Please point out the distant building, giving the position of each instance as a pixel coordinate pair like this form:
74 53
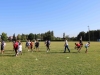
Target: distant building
10 38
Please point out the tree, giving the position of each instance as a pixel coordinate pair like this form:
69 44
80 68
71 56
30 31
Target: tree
81 34
4 36
14 37
23 37
31 36
18 37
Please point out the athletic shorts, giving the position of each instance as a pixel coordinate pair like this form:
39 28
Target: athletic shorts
2 48
47 45
86 46
31 47
78 46
36 46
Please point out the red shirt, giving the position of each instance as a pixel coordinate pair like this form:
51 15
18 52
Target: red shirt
78 45
16 45
31 44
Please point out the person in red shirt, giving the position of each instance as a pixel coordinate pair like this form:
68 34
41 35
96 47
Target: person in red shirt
16 47
78 46
31 46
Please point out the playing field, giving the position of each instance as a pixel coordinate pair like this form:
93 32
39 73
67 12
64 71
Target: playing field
54 62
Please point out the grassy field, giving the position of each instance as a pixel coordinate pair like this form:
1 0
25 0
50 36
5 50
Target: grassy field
54 62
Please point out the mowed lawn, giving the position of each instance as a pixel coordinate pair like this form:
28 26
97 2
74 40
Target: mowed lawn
54 62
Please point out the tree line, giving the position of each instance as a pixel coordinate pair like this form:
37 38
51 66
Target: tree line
92 35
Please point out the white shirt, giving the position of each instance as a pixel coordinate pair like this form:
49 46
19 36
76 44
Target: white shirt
66 42
29 43
87 44
20 47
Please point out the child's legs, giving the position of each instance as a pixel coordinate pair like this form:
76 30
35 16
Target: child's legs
15 51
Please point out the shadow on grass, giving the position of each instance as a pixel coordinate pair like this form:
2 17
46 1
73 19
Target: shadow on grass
74 52
6 55
56 52
64 52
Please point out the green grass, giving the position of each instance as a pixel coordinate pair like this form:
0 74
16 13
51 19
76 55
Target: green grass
54 62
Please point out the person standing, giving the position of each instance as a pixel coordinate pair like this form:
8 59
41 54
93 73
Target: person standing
31 46
86 46
37 45
20 48
66 46
2 47
34 44
16 44
48 45
26 45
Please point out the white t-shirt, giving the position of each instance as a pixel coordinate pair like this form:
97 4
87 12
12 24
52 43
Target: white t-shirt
4 44
29 43
87 45
20 47
66 42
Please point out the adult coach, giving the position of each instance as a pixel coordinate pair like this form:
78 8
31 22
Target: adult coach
66 46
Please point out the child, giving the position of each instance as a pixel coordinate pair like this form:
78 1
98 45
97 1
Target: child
26 45
16 47
86 46
2 47
78 46
48 45
20 48
31 46
37 45
34 44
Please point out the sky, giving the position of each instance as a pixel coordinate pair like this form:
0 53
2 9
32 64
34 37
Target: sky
39 16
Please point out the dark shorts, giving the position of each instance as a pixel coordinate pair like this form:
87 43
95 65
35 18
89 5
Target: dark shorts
36 46
31 47
47 45
79 47
2 48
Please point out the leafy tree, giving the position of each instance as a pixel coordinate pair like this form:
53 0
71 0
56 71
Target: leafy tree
14 37
18 37
31 36
4 36
23 37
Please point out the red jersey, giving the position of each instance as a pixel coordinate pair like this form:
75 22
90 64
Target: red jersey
78 45
31 44
16 45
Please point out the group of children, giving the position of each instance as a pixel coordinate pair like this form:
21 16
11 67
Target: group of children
35 45
30 45
78 46
17 46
